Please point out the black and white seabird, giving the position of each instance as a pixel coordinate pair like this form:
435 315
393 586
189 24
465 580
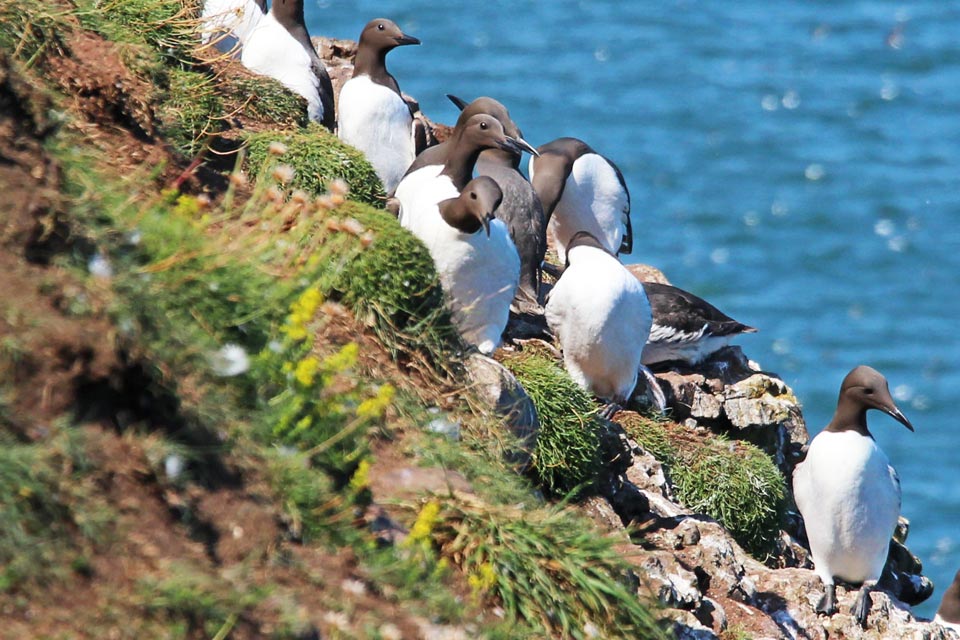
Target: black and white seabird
520 210
228 23
478 272
948 615
600 313
374 117
686 328
582 191
279 47
848 494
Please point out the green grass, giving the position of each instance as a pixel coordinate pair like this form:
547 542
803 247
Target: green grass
318 158
50 516
546 567
201 601
734 482
567 454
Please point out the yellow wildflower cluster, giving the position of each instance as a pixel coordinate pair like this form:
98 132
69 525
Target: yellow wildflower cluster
376 406
427 519
301 313
187 206
306 371
344 359
360 479
484 578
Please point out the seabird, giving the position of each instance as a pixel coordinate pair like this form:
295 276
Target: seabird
848 494
948 615
600 313
520 210
228 23
478 272
279 46
686 328
582 191
374 117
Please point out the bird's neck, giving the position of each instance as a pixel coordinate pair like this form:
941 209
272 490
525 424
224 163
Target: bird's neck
460 163
500 158
849 416
373 62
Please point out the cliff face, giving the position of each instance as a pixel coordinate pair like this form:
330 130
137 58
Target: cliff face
231 403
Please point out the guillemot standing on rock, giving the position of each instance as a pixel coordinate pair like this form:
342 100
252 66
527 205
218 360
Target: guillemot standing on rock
374 117
279 46
478 272
601 316
228 23
582 191
948 615
686 328
848 494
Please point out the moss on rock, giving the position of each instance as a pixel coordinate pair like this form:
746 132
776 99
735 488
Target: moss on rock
264 100
190 110
318 158
732 481
567 455
393 283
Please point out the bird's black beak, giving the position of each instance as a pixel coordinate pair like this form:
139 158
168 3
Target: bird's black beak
518 145
895 413
486 223
459 102
405 39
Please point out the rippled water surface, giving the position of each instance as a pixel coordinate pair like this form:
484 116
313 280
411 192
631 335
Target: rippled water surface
798 166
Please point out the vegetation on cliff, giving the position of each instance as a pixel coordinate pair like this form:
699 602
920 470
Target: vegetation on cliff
267 341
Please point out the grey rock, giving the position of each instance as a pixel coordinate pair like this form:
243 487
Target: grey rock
499 389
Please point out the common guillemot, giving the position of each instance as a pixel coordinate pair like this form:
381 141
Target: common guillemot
948 614
582 191
279 47
520 210
686 328
848 494
478 272
374 117
600 313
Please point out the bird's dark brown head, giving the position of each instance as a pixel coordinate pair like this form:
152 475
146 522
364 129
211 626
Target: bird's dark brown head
382 34
475 206
864 388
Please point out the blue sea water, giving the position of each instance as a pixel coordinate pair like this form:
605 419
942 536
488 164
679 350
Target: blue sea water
797 164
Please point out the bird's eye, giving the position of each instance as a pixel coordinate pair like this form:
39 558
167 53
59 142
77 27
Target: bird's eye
473 196
483 125
868 391
380 26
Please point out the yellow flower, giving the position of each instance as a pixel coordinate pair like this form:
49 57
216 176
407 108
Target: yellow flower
484 579
306 371
187 206
301 312
376 406
343 359
426 521
361 477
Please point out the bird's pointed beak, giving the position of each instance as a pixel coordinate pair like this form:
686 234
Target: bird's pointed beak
486 223
518 145
460 103
895 413
405 39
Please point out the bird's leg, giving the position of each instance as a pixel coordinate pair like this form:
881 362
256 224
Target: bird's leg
828 603
609 410
861 608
